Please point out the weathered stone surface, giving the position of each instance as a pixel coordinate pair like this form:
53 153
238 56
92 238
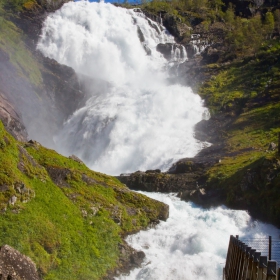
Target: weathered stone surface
75 158
11 120
129 259
158 182
175 26
4 188
59 176
26 159
164 213
272 146
15 266
168 50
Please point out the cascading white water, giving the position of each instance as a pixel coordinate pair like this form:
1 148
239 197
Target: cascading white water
141 121
192 243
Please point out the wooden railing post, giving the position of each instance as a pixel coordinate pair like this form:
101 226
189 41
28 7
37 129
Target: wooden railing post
262 268
271 270
233 258
239 259
242 260
229 257
244 266
255 264
246 263
269 247
250 258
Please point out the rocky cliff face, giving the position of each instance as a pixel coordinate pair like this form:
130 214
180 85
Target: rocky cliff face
40 92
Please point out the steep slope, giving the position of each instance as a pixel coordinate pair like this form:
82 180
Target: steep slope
67 218
41 92
238 77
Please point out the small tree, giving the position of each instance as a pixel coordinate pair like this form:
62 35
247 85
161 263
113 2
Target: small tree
229 17
269 24
276 15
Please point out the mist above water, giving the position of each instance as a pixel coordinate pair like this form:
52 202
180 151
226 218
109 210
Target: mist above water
141 121
193 242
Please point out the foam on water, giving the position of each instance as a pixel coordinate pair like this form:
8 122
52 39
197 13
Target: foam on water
141 121
193 242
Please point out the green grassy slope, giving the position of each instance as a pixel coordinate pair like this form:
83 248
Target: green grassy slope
249 90
70 229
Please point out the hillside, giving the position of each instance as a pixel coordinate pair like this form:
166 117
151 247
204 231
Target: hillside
70 220
237 74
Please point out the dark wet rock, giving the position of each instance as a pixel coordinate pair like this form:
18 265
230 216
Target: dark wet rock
147 49
14 265
137 258
59 176
164 212
154 182
154 26
175 26
153 171
129 259
203 197
140 34
211 54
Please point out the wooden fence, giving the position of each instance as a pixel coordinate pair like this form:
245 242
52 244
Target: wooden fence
245 263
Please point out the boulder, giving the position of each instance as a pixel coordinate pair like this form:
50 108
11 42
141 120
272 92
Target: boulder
14 265
272 146
75 158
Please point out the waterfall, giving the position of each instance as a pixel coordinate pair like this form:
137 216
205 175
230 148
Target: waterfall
135 118
141 121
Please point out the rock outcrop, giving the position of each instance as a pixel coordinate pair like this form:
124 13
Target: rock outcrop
15 266
11 120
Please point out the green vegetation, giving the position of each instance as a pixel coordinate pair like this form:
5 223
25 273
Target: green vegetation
67 218
248 90
241 36
247 81
243 84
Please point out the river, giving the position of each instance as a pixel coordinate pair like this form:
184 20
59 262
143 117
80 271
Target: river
192 243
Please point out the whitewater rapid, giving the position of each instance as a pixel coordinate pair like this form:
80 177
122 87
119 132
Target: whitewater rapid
192 243
139 120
